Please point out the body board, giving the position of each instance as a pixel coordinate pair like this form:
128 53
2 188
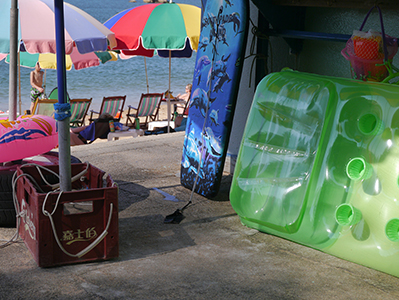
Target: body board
214 93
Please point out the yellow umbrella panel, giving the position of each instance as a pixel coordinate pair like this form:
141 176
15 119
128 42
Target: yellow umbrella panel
75 59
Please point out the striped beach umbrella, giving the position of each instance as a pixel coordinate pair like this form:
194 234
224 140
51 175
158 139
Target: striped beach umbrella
166 26
170 29
36 28
36 32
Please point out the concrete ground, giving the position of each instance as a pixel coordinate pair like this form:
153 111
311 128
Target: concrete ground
209 255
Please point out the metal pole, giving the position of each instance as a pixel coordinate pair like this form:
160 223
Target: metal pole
13 79
146 74
169 112
64 141
19 85
309 35
44 83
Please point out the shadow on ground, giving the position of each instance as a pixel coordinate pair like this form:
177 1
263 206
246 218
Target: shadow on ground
224 189
140 237
130 193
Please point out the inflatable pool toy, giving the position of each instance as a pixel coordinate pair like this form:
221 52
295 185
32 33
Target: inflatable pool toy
319 165
215 86
27 136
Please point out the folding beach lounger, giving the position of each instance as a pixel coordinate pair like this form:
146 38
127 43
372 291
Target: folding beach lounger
110 105
79 110
148 108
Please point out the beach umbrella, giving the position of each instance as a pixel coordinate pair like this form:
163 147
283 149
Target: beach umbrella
36 30
51 26
166 26
171 29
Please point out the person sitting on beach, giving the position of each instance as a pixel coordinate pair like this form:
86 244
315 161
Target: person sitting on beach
99 128
179 108
36 81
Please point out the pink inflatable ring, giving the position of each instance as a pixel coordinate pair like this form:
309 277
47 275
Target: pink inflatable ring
27 136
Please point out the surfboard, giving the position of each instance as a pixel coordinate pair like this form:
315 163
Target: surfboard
215 87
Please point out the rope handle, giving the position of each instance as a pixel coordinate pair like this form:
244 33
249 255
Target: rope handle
384 41
88 248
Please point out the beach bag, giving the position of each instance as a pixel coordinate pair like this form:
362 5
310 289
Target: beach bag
370 53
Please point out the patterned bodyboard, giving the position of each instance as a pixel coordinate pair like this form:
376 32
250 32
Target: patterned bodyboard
214 93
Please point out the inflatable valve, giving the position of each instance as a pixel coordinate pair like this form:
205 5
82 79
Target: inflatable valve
370 124
347 215
392 230
358 169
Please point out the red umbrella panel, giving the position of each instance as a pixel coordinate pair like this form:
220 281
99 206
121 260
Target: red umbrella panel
167 26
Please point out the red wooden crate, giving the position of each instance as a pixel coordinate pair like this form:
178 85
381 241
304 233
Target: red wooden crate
80 217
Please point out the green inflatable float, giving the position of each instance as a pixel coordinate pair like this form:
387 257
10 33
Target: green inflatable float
319 165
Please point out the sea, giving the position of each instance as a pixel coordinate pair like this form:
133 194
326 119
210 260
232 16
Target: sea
114 78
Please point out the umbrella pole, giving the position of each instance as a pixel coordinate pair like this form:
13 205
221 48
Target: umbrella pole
19 84
63 123
44 83
169 112
13 78
146 75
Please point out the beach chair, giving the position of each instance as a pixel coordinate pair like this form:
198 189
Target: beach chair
79 110
44 107
110 105
178 118
148 107
54 95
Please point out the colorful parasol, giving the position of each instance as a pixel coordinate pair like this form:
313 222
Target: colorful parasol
36 33
166 26
37 28
171 29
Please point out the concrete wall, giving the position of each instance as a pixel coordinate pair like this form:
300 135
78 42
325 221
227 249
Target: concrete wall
318 57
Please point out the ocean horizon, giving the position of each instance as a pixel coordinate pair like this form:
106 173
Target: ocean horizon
114 78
